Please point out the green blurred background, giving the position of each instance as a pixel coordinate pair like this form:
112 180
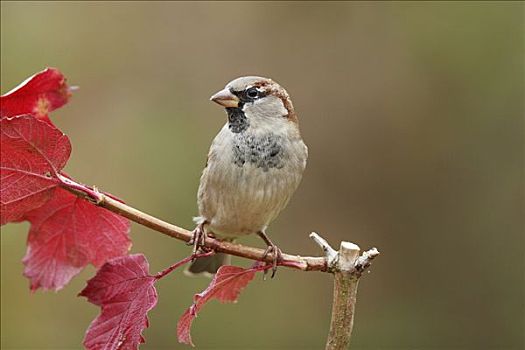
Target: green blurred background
413 113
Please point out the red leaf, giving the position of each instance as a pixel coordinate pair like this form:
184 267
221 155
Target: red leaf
38 95
125 292
67 233
31 154
226 286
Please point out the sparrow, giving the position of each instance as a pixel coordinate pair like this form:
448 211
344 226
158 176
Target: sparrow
255 164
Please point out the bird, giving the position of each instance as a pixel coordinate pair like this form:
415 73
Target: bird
254 165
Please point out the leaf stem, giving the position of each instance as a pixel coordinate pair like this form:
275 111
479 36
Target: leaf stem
178 264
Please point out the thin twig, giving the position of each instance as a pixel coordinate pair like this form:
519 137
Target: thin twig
178 264
331 254
118 207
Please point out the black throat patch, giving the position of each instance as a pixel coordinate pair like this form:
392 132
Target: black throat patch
237 121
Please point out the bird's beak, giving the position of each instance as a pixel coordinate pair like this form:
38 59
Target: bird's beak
225 98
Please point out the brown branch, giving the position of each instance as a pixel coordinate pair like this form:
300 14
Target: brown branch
118 207
347 267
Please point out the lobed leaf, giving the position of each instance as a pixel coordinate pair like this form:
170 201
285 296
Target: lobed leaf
226 286
32 153
125 291
66 234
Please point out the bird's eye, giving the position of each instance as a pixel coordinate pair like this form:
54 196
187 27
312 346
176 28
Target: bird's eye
252 93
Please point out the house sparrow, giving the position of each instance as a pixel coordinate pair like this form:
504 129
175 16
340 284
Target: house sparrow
255 164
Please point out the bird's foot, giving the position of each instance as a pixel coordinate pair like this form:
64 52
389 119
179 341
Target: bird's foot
277 257
198 240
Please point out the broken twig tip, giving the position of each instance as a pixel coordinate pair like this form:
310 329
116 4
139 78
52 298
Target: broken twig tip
330 253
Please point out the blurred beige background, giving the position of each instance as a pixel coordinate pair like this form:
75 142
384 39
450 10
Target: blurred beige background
413 113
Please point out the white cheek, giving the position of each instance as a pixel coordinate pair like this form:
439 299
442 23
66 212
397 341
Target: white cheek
269 106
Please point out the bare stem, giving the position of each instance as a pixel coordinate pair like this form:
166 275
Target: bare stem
118 207
178 264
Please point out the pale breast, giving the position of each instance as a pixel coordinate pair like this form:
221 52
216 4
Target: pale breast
249 179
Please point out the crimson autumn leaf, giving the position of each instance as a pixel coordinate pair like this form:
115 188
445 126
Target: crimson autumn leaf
38 95
32 153
226 286
125 291
66 234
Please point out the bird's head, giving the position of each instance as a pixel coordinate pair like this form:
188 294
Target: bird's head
260 100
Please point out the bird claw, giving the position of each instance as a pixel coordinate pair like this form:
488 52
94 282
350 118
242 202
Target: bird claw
198 240
277 257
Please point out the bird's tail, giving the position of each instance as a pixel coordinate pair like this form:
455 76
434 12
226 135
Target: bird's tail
207 265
